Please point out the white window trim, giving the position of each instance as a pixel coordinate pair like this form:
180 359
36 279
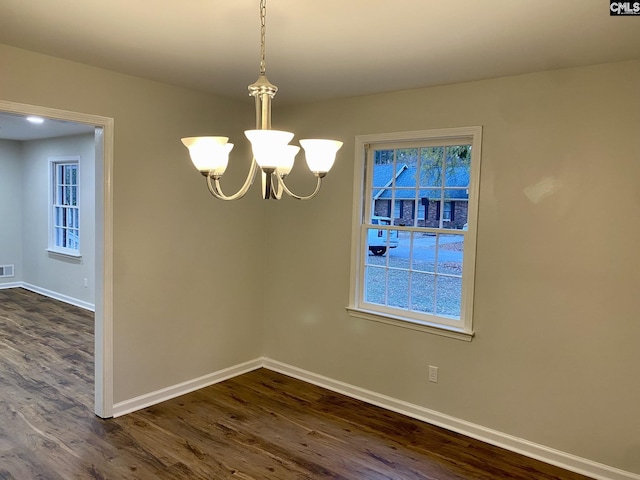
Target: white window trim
52 248
358 241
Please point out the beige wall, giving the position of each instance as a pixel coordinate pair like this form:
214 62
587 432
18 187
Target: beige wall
556 352
557 349
57 273
187 269
11 208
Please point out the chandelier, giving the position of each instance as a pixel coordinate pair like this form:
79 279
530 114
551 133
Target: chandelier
272 154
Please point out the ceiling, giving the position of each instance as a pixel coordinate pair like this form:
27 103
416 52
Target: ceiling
17 127
324 49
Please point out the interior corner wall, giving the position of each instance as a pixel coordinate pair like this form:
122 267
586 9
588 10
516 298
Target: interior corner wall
11 209
44 270
555 356
187 269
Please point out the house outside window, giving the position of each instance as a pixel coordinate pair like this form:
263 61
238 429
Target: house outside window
64 222
422 278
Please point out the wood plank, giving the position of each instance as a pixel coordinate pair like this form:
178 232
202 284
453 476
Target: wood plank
261 425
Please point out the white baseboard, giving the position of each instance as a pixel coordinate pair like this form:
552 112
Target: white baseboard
552 456
153 398
10 285
57 296
539 452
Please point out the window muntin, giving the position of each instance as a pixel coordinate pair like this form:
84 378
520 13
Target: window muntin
65 206
426 277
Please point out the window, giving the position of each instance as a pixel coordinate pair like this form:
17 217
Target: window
64 224
447 214
397 211
419 273
423 209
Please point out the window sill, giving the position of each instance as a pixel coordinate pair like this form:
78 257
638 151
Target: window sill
64 254
442 330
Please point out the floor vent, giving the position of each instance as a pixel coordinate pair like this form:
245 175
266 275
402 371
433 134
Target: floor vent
6 271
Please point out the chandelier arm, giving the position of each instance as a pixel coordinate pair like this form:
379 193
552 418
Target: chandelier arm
213 183
299 197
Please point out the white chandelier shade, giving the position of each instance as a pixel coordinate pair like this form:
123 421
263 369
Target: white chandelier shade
209 154
288 158
320 154
272 154
270 147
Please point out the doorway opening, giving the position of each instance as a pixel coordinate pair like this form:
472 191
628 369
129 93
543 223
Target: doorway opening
102 128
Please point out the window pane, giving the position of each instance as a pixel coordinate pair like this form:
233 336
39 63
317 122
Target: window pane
450 254
458 154
380 241
381 208
59 237
431 160
457 166
422 292
405 207
383 157
399 255
407 156
57 220
398 293
381 196
377 242
383 168
448 296
455 211
73 237
424 252
375 287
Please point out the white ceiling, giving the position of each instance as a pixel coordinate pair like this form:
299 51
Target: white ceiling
16 127
324 49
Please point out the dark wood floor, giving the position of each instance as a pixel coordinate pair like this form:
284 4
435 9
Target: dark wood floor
261 425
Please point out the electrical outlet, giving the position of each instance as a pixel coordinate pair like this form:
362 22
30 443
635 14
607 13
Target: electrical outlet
433 374
86 283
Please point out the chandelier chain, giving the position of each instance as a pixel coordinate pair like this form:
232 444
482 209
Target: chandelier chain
263 28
